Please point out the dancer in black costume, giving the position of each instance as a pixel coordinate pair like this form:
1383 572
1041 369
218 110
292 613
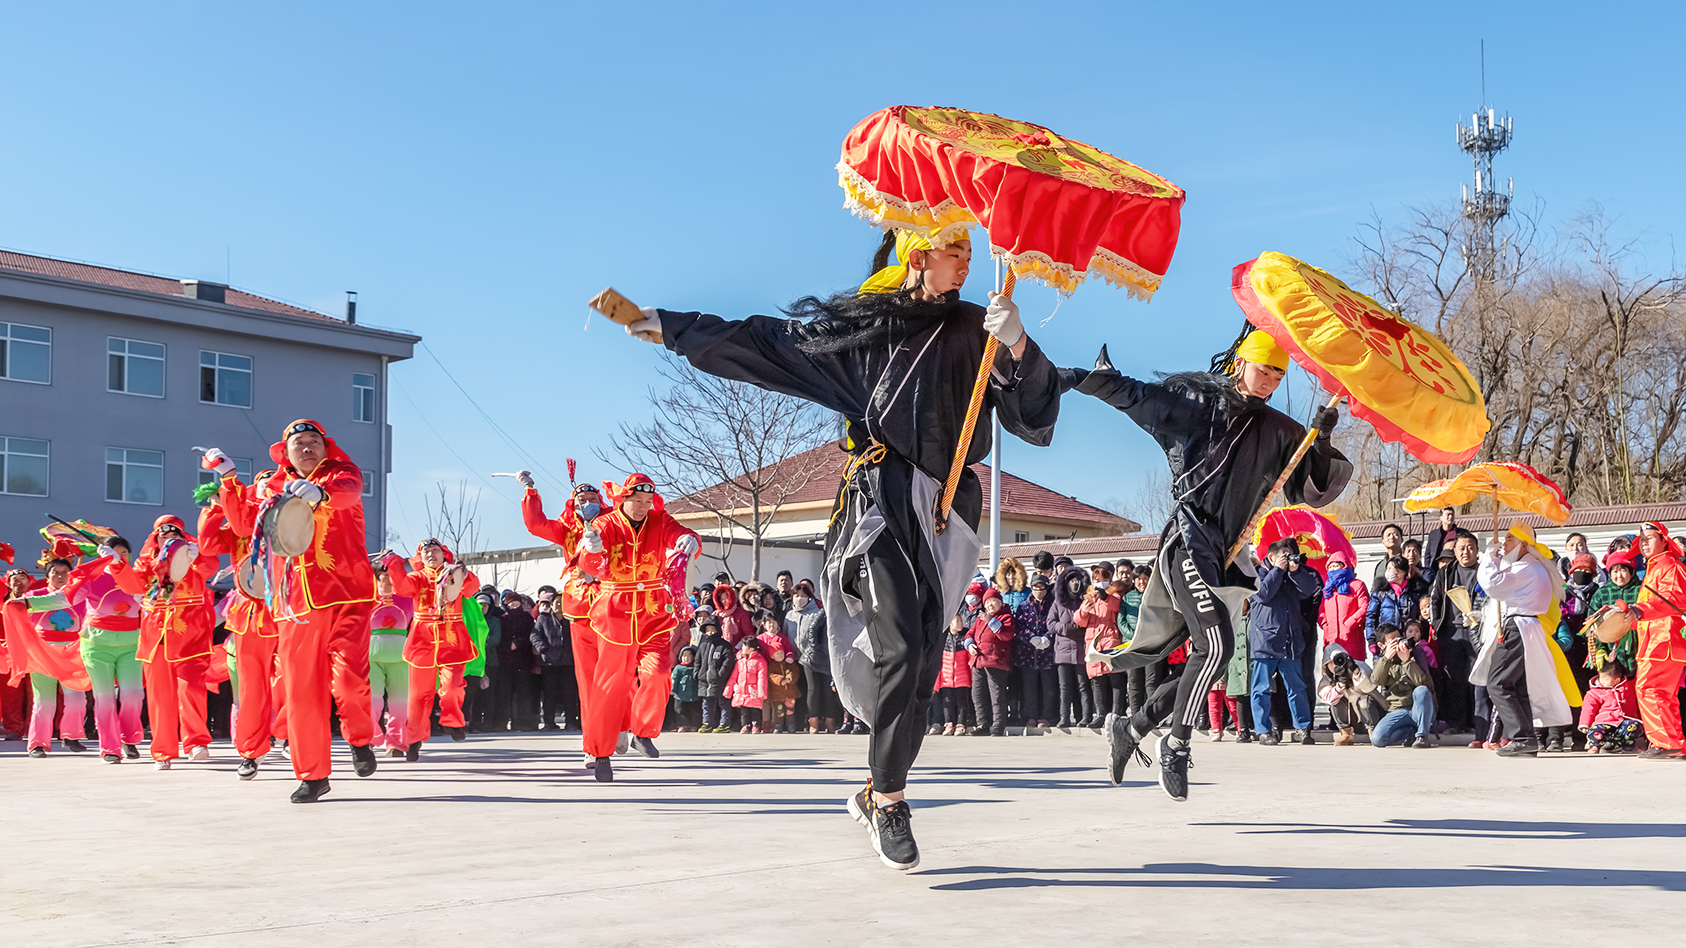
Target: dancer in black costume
1226 447
897 360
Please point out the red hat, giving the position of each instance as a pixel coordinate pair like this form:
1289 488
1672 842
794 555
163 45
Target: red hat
640 483
1583 562
416 560
992 593
278 450
1626 558
1673 546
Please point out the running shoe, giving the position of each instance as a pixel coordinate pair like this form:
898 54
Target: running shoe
309 791
646 747
1122 746
892 836
248 768
860 806
1173 769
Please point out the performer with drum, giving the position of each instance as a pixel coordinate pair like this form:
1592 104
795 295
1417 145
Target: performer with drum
438 645
629 550
579 588
1226 447
308 516
111 624
256 643
1661 613
177 616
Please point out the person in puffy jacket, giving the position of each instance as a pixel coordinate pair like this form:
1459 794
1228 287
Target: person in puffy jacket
747 688
1033 655
1276 636
1610 711
782 688
1392 602
558 690
687 709
954 678
1075 698
715 660
805 625
736 623
1346 607
992 659
1098 616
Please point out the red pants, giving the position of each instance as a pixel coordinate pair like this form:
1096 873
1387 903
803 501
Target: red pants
175 700
324 658
448 682
260 695
1658 685
14 705
628 691
1216 702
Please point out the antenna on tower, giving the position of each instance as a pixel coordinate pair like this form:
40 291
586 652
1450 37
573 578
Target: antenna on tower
1484 205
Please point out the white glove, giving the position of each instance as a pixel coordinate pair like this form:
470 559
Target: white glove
1002 320
215 460
193 551
305 490
106 552
593 542
1040 641
525 478
647 328
687 545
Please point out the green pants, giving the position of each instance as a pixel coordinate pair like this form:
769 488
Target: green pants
389 690
115 674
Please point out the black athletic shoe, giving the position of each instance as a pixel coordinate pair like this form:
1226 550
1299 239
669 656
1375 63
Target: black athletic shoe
605 770
74 747
1122 745
1520 749
1304 737
395 752
248 768
860 806
413 752
131 751
37 752
309 791
458 734
1270 739
1245 737
892 836
111 758
646 746
363 760
1173 769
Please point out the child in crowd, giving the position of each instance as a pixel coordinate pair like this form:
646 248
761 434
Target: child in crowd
715 662
686 708
954 679
781 674
1099 618
747 688
992 658
1610 712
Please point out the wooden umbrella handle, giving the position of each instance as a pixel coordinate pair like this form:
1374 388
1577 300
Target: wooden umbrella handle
973 410
1299 452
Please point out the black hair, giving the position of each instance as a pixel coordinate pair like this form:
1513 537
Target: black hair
1043 560
1615 665
1126 566
1223 363
1145 570
1413 540
548 588
1572 536
57 561
1400 563
886 249
1287 545
847 321
1384 630
785 572
1393 526
119 541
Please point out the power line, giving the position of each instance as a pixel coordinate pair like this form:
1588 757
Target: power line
519 451
423 416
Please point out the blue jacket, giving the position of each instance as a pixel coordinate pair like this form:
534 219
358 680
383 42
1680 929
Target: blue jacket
1388 606
1276 627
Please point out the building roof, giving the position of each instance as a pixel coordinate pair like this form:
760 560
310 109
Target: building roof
143 282
822 468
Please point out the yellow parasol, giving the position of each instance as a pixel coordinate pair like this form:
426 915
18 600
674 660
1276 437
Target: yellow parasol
1513 484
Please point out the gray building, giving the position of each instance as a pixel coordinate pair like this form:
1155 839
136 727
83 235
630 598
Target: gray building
109 379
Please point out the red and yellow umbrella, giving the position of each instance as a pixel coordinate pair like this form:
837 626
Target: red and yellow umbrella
1513 484
1056 209
1319 536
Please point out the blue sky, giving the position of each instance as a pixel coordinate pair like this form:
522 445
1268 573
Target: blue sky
477 172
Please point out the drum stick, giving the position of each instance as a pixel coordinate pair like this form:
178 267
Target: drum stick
89 536
503 474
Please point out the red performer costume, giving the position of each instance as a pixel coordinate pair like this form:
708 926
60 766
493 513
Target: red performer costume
438 645
1662 650
633 616
579 588
175 639
323 602
255 651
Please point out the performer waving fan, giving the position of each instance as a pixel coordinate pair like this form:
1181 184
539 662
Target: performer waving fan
897 360
1226 447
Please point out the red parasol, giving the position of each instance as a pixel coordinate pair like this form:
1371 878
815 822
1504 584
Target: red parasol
1319 536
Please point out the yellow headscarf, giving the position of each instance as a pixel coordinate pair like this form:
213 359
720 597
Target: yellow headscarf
1261 349
891 278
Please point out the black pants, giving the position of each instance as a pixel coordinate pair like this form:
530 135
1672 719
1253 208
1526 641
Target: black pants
1457 698
1368 712
989 698
1141 683
1507 686
477 701
905 625
686 713
1109 691
555 681
957 706
822 696
1211 643
1041 694
1074 694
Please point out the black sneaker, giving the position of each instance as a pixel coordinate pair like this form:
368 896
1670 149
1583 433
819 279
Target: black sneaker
73 746
248 768
131 751
892 836
1270 739
413 752
1520 749
1122 745
363 760
1304 737
860 806
1421 741
1173 769
458 734
1245 737
646 746
37 752
111 758
309 791
605 770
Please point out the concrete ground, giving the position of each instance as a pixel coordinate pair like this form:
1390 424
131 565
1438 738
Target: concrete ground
743 840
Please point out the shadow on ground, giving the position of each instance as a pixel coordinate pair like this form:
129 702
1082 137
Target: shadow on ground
1198 875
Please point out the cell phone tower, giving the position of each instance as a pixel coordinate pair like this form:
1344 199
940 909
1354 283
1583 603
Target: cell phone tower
1485 136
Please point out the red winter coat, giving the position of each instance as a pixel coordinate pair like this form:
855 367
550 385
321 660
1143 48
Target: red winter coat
1099 619
956 671
994 643
1609 705
748 685
1341 617
736 624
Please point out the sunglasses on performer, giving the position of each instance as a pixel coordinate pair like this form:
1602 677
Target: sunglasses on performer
301 428
644 489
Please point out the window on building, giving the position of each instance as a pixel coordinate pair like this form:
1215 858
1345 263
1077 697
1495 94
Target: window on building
1050 536
242 470
368 484
1020 536
225 379
362 397
23 467
134 477
26 353
134 367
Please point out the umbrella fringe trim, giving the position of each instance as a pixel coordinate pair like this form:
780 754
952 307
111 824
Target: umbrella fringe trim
1137 281
884 211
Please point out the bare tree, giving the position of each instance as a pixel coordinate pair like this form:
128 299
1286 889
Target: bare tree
733 449
455 519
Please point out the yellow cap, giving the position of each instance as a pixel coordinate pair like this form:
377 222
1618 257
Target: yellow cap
1261 349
